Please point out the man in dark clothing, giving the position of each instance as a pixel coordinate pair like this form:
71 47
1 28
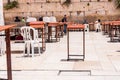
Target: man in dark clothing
17 19
64 19
41 18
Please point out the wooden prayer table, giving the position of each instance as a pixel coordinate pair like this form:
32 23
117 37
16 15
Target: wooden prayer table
75 26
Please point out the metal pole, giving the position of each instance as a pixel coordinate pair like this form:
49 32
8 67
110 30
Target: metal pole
67 44
42 39
83 44
8 54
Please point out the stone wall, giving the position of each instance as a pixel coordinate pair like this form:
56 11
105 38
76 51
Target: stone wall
76 10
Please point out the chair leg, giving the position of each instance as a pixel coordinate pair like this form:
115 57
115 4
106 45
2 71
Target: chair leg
25 46
32 47
39 48
28 48
0 51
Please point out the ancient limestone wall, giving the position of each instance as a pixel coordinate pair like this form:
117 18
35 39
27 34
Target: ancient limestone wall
77 9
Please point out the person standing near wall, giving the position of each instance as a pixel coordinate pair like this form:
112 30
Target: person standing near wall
86 25
41 18
17 19
98 25
64 20
23 19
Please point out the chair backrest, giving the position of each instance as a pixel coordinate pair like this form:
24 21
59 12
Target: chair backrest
53 19
30 19
29 33
46 19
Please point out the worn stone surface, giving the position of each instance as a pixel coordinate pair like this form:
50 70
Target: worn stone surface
38 8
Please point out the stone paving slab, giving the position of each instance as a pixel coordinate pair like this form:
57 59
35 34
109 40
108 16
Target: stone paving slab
102 58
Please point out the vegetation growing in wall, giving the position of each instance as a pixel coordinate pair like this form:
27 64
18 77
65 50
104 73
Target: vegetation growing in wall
98 0
88 4
11 5
8 1
47 1
117 2
67 3
109 0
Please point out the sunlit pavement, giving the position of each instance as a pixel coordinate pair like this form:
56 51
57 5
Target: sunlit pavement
102 60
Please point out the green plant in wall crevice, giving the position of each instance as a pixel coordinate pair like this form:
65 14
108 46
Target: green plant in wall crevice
88 4
11 5
109 0
117 3
67 3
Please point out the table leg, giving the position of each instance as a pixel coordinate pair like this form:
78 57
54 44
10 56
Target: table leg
67 44
83 44
43 40
49 33
8 54
56 34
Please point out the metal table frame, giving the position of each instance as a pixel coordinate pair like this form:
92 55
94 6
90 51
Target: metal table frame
114 26
50 26
68 51
8 49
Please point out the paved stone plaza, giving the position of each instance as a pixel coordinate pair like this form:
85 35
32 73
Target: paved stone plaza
102 60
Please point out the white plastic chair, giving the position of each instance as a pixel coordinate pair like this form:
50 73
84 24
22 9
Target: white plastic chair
46 19
30 36
52 19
